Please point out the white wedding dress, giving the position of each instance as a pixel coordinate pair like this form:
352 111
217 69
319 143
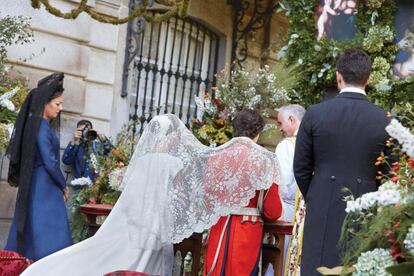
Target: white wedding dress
173 186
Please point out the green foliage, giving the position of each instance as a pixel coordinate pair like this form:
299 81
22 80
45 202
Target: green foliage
17 90
242 88
381 230
315 60
14 30
78 227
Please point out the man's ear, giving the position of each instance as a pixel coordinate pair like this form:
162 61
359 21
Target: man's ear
368 81
338 77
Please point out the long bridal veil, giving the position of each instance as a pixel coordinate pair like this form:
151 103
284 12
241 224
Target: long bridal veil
174 186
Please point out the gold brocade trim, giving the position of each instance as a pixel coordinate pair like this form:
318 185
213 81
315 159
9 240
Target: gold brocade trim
293 258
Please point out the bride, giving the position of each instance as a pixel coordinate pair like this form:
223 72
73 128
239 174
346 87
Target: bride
174 186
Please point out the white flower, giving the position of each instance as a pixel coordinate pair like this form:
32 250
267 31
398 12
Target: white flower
94 162
409 240
374 199
81 181
116 177
292 39
373 263
5 99
389 185
403 135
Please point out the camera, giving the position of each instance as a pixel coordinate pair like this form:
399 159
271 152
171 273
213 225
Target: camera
89 134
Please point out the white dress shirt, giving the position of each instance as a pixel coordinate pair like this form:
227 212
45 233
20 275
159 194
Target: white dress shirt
353 89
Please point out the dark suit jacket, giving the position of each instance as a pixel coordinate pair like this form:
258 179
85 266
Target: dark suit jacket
337 145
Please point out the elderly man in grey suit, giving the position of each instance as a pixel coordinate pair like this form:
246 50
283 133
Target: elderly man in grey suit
336 146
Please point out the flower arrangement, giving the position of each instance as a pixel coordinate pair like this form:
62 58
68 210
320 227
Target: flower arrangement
236 90
107 186
212 127
241 88
381 224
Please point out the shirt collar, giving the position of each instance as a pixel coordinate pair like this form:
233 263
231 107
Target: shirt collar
354 90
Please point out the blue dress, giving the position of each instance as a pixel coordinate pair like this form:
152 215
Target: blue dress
47 225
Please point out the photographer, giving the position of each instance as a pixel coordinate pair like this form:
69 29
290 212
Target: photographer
85 141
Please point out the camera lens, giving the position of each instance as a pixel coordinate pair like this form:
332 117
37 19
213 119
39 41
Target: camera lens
91 135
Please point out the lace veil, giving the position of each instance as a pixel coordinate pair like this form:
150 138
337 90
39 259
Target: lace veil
175 185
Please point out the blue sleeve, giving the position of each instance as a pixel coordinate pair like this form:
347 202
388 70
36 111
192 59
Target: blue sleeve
48 155
68 157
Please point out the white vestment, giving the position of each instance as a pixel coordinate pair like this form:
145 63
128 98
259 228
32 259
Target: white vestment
285 152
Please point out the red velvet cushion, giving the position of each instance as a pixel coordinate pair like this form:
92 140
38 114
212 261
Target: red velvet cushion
12 263
126 273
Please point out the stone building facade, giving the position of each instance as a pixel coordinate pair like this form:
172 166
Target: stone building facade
93 57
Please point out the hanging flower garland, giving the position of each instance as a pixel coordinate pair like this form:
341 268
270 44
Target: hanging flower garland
315 59
177 7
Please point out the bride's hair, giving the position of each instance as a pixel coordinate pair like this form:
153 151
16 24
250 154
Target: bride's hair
247 123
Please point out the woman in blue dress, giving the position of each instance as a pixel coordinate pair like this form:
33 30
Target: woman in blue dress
40 225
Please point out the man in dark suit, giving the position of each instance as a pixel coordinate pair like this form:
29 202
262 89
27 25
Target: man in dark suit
337 145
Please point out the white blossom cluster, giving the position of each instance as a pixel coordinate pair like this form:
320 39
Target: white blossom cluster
373 263
252 91
81 181
115 178
409 240
376 37
204 104
373 199
5 99
403 135
94 162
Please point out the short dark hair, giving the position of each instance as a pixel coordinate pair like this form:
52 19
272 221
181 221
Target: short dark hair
84 123
355 66
247 123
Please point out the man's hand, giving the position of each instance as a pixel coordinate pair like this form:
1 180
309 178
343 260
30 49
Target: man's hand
77 135
66 194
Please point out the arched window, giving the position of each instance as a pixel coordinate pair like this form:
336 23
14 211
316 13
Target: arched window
169 63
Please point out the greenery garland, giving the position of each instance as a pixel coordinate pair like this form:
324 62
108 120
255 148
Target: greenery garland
315 60
177 7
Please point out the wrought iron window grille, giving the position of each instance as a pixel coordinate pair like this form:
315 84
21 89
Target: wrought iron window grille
166 65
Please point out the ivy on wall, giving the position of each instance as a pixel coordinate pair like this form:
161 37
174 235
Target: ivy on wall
315 60
176 7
